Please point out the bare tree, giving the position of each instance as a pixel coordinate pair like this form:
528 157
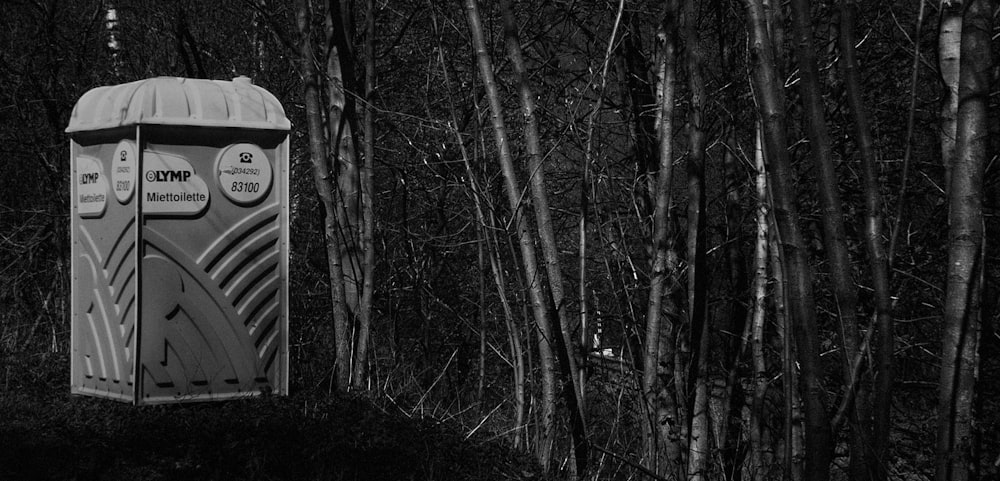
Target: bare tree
564 339
699 449
877 261
324 187
662 424
949 54
759 466
541 302
956 439
114 45
801 307
367 187
341 182
834 235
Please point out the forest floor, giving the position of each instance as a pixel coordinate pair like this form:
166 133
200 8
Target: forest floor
50 435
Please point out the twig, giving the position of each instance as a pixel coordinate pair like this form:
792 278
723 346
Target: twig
629 462
420 402
901 197
467 436
849 396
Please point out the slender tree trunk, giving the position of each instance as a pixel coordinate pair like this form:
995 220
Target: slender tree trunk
582 284
490 249
793 453
258 36
699 447
877 258
360 358
324 187
499 279
907 152
801 308
114 45
540 302
514 334
482 314
643 93
661 440
956 443
759 470
638 94
585 187
728 427
565 340
731 425
340 126
949 54
774 18
834 236
514 340
526 330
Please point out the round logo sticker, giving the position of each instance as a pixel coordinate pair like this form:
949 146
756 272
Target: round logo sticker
244 173
123 170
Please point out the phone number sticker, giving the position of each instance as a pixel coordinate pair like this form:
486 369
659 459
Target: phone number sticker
123 171
244 173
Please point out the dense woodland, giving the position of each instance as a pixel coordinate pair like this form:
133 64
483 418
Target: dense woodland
705 240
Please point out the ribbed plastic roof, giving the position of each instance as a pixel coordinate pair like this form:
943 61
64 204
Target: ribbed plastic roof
179 101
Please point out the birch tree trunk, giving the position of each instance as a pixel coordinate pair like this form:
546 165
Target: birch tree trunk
540 302
360 357
341 128
318 155
487 229
566 348
793 453
956 443
949 54
661 443
801 308
700 432
114 45
759 469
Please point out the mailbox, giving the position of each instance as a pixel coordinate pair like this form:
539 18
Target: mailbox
179 227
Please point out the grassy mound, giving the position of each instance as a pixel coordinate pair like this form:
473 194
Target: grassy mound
302 437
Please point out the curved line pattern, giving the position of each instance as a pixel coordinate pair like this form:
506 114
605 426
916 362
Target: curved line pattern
124 260
123 290
251 275
205 294
118 241
105 307
106 324
91 245
266 300
230 302
255 248
229 331
235 234
95 336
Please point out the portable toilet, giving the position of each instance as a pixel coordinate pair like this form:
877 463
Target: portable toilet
179 229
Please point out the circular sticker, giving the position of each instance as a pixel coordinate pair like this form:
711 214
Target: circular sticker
123 171
244 173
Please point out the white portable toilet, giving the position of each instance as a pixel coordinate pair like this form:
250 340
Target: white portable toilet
179 226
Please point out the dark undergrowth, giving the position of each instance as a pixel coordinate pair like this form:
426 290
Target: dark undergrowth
56 436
